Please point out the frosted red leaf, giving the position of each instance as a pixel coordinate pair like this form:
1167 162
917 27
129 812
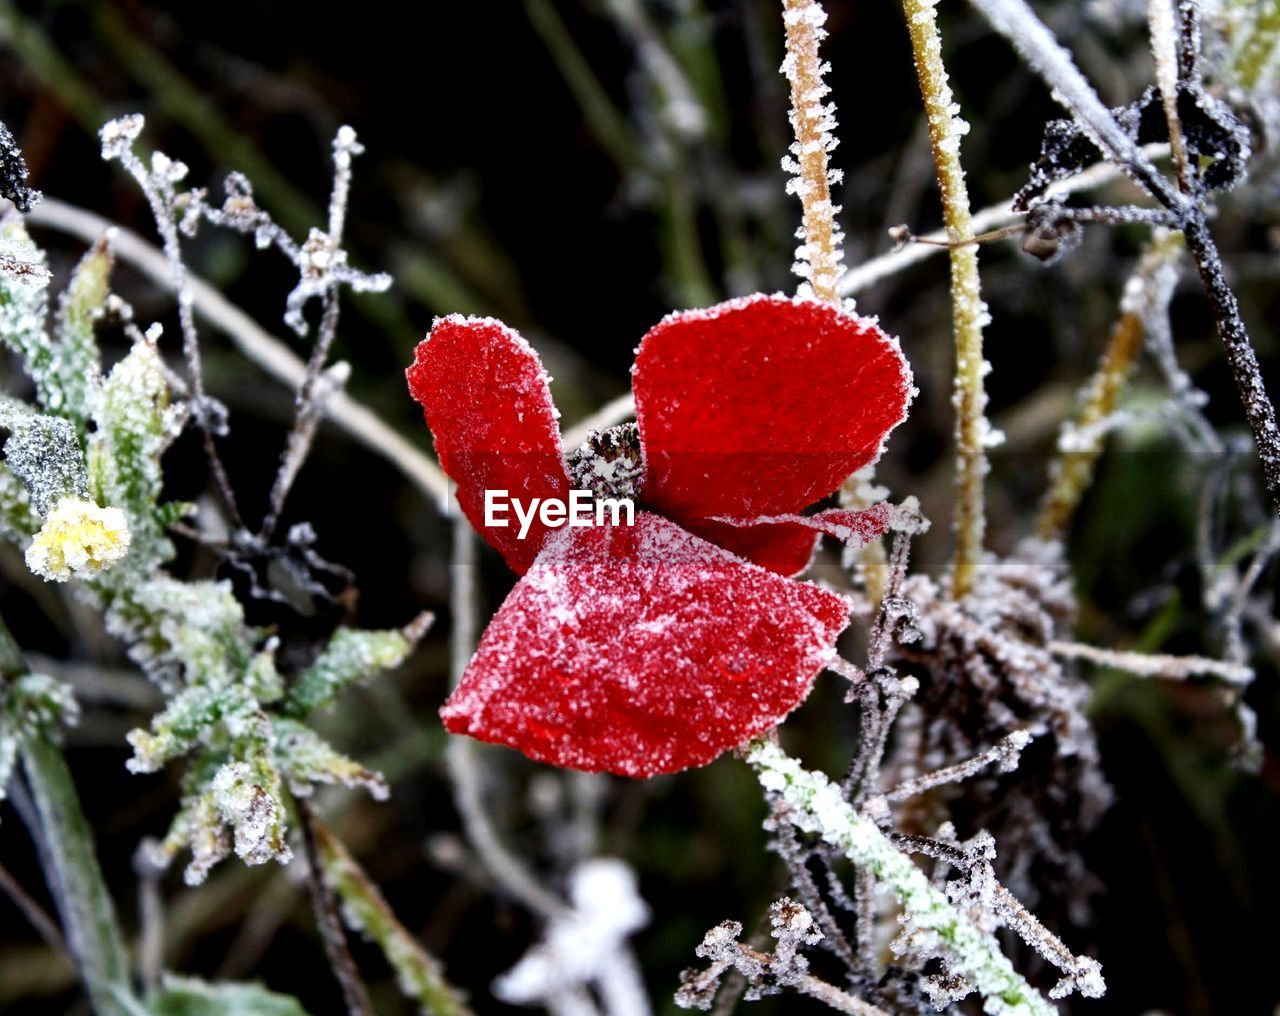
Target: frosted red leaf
762 406
642 650
487 400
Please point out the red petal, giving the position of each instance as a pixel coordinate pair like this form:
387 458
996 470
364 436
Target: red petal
488 404
762 406
641 650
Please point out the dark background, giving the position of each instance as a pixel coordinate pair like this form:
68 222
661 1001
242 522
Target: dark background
485 189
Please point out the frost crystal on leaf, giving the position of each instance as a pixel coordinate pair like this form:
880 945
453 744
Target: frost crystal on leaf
13 173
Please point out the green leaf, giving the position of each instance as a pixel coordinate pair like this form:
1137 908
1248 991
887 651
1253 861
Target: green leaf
190 996
75 354
24 303
351 656
44 453
135 424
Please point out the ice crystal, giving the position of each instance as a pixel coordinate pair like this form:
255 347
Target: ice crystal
78 537
13 173
44 453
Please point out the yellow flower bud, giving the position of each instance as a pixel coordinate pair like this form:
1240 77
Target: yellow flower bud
78 537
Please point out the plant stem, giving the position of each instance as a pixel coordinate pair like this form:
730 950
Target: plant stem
71 864
813 123
1239 349
75 880
969 313
365 909
328 923
1073 470
1018 23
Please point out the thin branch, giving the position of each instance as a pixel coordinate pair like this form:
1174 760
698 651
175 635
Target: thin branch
1174 668
33 912
818 805
1004 755
268 352
366 910
462 754
328 922
1018 23
993 217
813 122
1164 49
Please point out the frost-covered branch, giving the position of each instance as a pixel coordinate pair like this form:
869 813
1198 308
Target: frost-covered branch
364 909
766 973
1161 665
1016 21
818 806
969 312
814 122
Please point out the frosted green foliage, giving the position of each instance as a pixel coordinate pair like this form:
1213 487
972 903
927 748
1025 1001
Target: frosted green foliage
192 718
31 705
306 759
24 301
74 365
351 656
185 633
817 806
18 520
198 826
247 794
134 425
364 909
190 996
43 452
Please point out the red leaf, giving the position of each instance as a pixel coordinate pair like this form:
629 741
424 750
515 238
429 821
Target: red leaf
762 406
487 401
643 650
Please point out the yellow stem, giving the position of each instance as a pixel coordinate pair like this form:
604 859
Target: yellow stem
969 313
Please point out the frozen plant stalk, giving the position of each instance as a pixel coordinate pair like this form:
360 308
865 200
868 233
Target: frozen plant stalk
969 313
818 806
814 122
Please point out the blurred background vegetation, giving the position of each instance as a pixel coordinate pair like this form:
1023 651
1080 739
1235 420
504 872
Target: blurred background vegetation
579 168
